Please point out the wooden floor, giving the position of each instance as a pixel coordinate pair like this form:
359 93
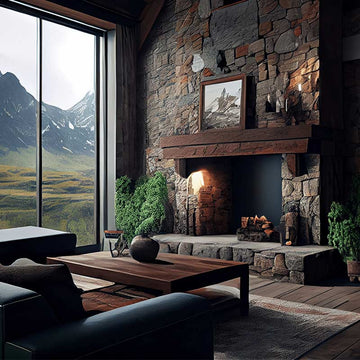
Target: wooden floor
335 294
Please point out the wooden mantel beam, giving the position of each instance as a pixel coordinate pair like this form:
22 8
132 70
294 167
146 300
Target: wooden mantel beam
235 142
238 149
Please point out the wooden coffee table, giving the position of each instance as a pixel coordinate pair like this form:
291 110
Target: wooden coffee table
169 273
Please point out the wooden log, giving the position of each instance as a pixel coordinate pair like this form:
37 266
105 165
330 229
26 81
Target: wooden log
272 235
268 225
244 221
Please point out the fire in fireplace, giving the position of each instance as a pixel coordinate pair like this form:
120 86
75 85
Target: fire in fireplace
257 229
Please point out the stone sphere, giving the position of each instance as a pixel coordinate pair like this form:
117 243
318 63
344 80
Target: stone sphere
143 248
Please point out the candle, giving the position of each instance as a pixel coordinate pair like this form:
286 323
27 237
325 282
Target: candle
277 105
299 87
286 105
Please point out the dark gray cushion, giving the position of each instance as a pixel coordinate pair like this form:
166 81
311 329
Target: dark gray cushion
35 243
53 282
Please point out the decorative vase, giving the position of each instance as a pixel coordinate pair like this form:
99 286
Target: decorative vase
353 269
143 248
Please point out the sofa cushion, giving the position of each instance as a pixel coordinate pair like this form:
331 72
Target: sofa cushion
53 282
35 243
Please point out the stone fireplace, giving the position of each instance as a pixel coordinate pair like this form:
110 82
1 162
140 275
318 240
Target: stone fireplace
220 191
287 146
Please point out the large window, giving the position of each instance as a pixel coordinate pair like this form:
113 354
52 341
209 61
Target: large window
48 121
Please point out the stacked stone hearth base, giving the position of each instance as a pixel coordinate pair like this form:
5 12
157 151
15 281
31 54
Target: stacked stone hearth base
298 264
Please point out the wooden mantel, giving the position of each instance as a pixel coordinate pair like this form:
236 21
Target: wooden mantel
299 139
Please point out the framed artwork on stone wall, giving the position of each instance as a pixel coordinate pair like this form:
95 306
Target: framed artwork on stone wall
223 103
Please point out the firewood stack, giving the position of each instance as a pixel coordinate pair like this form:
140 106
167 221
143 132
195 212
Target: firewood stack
257 229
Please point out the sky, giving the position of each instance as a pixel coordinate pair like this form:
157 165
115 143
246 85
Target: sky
68 58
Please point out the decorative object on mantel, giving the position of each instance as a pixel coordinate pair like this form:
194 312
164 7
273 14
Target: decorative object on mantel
223 102
221 62
143 248
268 105
294 113
279 101
344 229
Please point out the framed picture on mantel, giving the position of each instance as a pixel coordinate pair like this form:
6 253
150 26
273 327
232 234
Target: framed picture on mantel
223 103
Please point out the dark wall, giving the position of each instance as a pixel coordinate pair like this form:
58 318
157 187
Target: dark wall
257 187
351 94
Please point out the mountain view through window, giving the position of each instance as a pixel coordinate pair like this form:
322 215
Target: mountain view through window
68 129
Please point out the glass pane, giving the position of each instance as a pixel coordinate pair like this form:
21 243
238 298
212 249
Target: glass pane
68 131
18 40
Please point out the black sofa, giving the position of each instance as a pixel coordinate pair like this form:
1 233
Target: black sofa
174 326
35 243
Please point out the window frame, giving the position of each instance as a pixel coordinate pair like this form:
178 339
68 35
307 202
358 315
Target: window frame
101 75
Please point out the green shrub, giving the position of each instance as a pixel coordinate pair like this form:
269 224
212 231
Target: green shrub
344 224
140 207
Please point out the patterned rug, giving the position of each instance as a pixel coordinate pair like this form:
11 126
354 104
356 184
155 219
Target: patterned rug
274 329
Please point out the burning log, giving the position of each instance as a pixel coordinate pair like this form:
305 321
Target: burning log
272 235
257 229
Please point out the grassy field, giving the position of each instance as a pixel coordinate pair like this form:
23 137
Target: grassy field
68 196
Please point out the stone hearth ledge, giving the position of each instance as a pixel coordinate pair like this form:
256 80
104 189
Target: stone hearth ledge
297 264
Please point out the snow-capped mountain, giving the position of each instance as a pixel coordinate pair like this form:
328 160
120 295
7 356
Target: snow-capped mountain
64 131
223 111
223 102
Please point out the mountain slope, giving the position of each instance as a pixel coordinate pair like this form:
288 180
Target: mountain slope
63 131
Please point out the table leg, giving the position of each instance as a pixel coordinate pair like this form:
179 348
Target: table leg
244 291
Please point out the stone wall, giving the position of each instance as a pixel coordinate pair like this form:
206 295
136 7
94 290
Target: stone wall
213 209
301 194
273 42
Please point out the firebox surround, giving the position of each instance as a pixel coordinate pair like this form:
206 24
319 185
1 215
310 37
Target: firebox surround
300 147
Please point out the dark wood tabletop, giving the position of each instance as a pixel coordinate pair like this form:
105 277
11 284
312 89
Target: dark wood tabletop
169 273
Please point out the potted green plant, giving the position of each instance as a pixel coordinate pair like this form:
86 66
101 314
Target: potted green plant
140 205
344 229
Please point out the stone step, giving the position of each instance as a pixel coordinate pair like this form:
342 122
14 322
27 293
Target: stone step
307 264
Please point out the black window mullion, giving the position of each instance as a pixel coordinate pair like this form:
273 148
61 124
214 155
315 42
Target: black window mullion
39 127
97 139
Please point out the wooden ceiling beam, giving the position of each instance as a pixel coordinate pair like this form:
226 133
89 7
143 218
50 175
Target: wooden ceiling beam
147 19
72 14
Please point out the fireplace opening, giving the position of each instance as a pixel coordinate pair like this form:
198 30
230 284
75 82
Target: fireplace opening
256 187
220 191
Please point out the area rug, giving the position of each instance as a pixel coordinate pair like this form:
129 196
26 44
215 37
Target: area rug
274 329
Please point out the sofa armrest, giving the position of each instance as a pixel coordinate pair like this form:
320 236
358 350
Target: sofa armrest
22 311
174 326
